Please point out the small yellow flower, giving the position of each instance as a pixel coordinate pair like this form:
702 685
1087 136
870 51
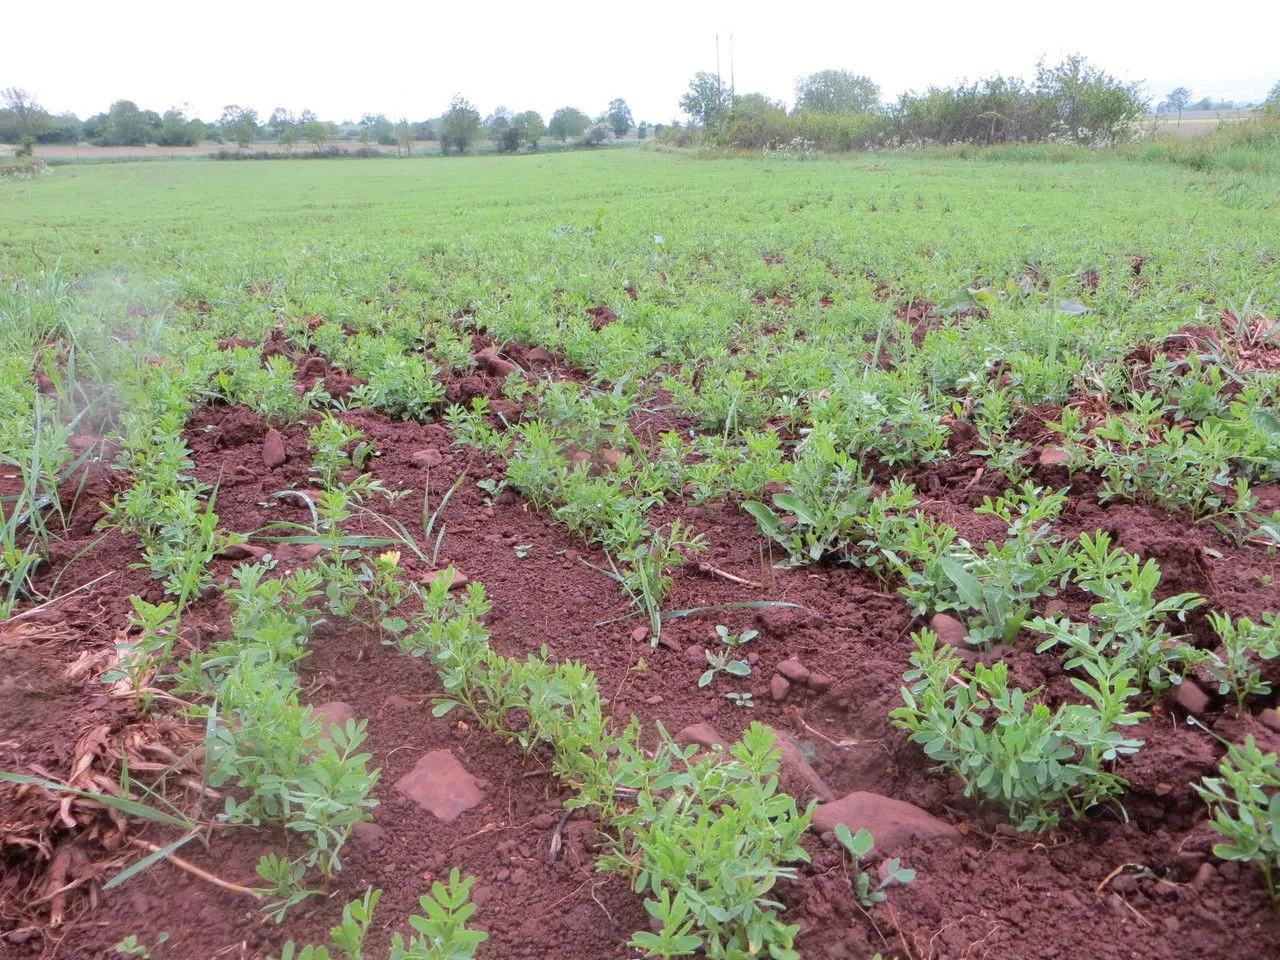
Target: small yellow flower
391 558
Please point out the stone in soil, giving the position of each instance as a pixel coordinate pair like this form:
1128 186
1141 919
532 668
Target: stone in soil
273 454
457 583
695 654
895 824
779 687
950 630
820 682
640 634
492 364
428 458
441 785
797 775
703 734
1270 719
793 670
1190 697
1053 457
332 714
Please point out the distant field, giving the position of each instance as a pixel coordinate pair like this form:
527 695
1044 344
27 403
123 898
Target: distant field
85 151
1195 122
364 519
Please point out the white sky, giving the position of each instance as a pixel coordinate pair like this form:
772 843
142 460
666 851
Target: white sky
379 56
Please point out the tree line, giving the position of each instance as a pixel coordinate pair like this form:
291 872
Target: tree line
24 120
1072 101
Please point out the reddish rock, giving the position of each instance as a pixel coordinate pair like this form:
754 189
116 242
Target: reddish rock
1270 719
332 714
457 583
1053 457
539 355
820 682
492 364
1190 697
779 687
308 551
441 785
242 551
314 367
428 458
895 824
793 670
696 654
273 449
950 630
609 457
703 734
797 775
640 634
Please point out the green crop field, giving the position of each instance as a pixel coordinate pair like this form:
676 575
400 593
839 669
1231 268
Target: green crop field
363 521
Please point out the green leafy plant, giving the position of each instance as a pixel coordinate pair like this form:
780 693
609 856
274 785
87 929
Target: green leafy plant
892 872
721 661
1131 622
440 932
330 457
1244 644
131 946
1244 803
1009 748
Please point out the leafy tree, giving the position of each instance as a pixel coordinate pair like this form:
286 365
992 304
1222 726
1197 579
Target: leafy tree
376 126
619 117
568 122
424 130
1178 99
499 128
64 128
24 116
1204 104
285 126
460 126
126 126
177 131
757 121
837 91
239 124
315 131
530 127
1272 103
598 133
642 130
1086 103
708 100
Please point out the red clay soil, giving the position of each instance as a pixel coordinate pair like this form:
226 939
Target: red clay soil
1138 883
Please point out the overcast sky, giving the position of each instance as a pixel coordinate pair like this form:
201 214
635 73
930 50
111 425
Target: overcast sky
408 59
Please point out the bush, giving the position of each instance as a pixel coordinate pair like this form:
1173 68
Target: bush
598 133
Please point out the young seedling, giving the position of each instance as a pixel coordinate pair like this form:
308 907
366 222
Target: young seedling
721 660
131 946
892 872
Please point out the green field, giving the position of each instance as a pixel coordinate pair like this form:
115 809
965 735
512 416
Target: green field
851 404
